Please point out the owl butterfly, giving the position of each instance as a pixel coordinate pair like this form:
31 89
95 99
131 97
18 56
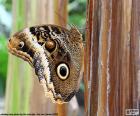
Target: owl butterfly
56 54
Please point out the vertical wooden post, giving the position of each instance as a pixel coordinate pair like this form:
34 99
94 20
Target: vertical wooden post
112 57
91 58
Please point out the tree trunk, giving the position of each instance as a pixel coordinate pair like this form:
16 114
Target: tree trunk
112 57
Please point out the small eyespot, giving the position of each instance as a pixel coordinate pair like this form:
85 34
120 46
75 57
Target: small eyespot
50 45
63 71
21 44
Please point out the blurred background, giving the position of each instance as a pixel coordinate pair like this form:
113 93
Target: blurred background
111 64
11 20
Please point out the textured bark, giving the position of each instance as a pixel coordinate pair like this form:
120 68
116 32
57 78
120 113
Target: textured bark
112 57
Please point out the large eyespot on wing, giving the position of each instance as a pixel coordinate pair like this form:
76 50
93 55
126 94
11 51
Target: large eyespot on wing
63 71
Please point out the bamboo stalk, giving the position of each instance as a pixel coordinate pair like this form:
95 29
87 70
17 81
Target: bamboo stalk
18 85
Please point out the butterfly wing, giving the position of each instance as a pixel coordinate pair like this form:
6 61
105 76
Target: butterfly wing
57 56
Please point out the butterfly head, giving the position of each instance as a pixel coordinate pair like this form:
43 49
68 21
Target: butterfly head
18 45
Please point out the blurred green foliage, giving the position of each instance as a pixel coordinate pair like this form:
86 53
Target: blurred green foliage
7 4
77 12
3 47
3 63
3 56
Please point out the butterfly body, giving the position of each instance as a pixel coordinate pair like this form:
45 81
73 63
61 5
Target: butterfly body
56 54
